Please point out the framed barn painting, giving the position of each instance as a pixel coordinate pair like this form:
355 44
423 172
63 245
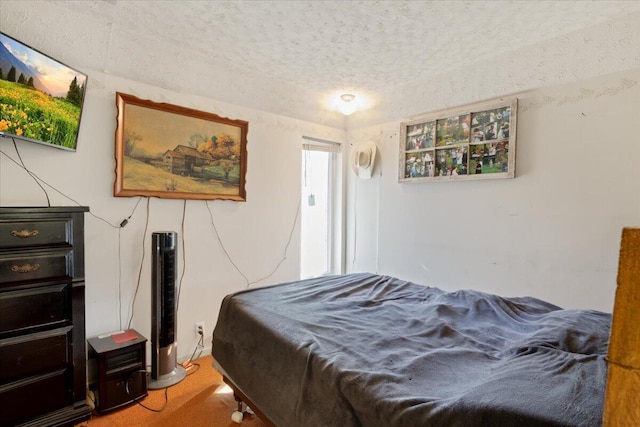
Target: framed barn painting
475 141
173 152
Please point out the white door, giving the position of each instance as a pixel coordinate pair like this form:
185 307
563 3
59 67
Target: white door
321 210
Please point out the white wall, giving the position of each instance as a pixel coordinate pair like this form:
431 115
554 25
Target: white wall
552 232
254 232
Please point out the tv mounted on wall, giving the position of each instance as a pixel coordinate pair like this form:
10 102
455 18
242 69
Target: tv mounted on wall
41 99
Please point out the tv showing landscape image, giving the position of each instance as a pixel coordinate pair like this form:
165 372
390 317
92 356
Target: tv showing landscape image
40 98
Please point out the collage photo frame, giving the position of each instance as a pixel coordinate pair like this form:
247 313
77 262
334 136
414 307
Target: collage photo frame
476 141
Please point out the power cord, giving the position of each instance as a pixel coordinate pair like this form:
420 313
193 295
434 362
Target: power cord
284 257
135 294
126 220
29 172
137 399
40 180
188 364
184 259
122 224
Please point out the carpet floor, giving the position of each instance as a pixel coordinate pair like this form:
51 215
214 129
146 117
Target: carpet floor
200 400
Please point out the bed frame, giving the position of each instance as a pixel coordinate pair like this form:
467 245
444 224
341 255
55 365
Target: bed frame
622 395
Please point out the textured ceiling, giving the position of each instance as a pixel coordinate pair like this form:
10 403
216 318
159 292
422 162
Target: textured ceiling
321 48
360 45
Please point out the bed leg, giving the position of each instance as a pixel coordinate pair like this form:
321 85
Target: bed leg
238 415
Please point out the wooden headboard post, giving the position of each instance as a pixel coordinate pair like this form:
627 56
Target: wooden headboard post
622 396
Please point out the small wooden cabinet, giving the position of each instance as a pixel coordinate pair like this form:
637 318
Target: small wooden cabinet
121 370
43 379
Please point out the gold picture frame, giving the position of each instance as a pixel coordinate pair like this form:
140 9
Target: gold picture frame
167 151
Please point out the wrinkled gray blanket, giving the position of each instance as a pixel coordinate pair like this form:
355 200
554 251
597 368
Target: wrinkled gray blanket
369 350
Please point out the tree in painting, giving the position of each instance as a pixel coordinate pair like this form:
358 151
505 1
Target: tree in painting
224 150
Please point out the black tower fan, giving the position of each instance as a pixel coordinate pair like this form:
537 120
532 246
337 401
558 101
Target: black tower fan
165 371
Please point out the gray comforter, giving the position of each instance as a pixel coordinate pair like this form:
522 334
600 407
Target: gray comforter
369 350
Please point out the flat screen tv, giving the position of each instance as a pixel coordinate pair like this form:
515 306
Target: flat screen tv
40 98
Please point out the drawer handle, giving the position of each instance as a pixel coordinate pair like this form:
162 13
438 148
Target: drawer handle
26 268
23 234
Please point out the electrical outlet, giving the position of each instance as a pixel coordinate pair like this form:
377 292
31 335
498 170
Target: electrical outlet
200 329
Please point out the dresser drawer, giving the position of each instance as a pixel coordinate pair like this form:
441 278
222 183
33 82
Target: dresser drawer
34 354
42 232
21 266
41 306
27 399
43 380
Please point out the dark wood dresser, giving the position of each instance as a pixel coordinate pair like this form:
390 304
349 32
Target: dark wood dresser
43 379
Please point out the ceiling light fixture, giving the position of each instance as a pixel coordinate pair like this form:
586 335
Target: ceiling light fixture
347 106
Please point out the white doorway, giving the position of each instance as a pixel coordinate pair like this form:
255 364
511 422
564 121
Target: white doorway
321 211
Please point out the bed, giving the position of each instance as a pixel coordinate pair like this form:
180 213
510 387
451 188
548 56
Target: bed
373 350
